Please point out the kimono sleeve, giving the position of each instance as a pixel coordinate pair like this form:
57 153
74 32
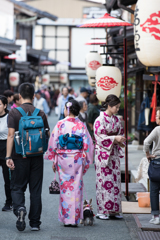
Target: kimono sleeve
88 150
102 139
52 146
121 129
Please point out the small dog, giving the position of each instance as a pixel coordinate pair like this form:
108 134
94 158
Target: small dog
88 215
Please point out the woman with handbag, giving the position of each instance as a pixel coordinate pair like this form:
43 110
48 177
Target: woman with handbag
71 150
108 133
154 168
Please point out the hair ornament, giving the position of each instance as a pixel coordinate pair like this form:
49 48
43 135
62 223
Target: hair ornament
69 104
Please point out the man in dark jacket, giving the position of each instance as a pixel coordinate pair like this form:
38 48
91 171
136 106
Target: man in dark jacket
92 113
9 95
25 170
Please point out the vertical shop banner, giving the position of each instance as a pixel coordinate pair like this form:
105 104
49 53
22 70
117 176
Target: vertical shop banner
22 53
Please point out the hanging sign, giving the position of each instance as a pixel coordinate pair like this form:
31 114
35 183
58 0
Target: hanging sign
147 32
14 79
46 79
108 81
93 62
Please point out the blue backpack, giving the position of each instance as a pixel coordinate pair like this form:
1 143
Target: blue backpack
33 140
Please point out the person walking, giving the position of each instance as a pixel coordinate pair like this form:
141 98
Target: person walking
83 95
61 103
25 170
82 114
51 92
40 102
71 92
109 139
44 91
16 101
154 137
9 95
46 94
92 112
3 141
71 161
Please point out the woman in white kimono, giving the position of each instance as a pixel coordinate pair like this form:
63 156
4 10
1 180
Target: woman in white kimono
109 138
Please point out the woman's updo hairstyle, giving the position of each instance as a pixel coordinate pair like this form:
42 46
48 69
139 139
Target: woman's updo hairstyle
111 100
4 102
74 107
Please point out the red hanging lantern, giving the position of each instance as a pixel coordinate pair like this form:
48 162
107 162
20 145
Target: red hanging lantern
46 79
14 79
147 32
93 62
63 78
108 81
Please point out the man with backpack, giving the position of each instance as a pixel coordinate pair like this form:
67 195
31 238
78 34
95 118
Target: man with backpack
28 133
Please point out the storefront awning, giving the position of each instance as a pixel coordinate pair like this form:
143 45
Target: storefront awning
37 53
9 45
4 51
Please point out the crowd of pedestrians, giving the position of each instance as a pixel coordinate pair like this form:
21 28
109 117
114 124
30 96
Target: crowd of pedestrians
88 102
84 134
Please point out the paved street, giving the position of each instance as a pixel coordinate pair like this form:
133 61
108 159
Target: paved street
51 228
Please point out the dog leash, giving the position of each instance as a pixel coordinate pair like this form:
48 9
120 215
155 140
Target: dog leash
85 191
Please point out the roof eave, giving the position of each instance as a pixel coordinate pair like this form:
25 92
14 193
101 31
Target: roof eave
24 11
31 11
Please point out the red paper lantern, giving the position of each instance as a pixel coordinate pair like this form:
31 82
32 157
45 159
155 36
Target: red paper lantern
93 62
147 32
108 81
14 79
63 78
46 79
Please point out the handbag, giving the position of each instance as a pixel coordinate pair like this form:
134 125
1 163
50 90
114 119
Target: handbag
72 141
154 170
54 186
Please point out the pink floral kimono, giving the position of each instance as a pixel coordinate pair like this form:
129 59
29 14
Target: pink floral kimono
107 164
71 166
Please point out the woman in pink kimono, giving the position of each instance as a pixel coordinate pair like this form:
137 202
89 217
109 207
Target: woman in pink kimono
71 164
109 138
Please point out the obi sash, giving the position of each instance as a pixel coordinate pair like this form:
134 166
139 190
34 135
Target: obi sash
72 142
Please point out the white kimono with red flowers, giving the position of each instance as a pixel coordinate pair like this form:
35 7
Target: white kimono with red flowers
71 166
107 164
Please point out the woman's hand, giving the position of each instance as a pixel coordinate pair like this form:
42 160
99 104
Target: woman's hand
120 139
54 168
149 156
121 145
